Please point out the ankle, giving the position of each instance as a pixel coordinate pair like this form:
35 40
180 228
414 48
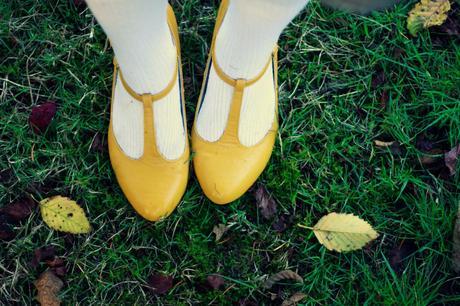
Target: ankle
150 63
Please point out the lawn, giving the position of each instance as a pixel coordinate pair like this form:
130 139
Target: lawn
345 81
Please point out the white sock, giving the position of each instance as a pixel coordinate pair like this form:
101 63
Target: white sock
244 45
145 50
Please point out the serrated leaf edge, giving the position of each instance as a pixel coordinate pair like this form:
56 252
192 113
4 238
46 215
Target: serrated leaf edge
46 201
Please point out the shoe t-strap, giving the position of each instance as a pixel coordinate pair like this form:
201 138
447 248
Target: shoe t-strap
150 148
239 86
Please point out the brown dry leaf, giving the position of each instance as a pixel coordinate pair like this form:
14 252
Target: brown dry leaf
456 243
46 253
283 275
57 265
265 202
41 116
19 210
219 231
294 299
343 232
430 157
451 158
160 283
55 262
427 13
215 281
283 222
48 286
451 26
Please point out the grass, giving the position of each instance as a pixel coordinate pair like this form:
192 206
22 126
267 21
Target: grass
325 160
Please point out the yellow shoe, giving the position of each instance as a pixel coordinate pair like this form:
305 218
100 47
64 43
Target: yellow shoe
152 184
225 168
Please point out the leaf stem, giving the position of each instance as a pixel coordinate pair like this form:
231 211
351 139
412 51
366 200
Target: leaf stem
304 226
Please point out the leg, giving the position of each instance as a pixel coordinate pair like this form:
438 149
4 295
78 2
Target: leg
236 126
141 40
249 33
244 43
144 48
147 136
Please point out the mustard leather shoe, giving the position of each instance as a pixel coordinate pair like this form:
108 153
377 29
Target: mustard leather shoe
225 168
152 184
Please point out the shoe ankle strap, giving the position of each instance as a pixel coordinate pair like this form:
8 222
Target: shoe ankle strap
220 72
246 82
147 96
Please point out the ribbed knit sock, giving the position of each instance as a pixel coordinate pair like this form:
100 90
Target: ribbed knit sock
243 47
145 50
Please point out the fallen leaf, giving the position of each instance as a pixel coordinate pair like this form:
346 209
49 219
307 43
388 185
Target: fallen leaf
57 265
283 275
265 202
60 271
399 255
19 210
282 223
48 286
41 116
219 231
343 232
63 214
451 26
45 253
55 262
394 146
456 245
294 299
6 234
383 144
427 13
215 281
430 157
451 158
160 283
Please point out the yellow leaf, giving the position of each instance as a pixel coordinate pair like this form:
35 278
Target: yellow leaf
63 214
427 13
343 232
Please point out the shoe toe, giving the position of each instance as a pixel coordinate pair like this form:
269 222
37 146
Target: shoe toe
155 195
153 186
225 172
